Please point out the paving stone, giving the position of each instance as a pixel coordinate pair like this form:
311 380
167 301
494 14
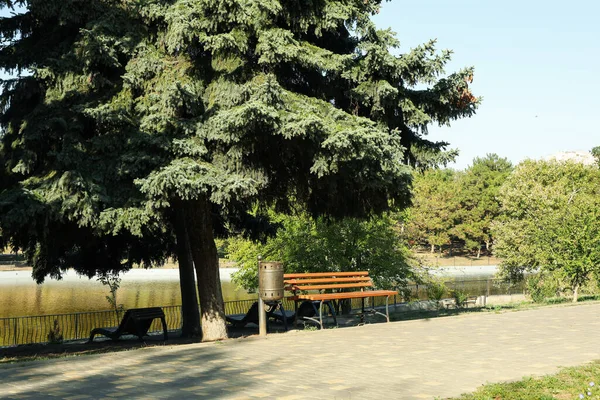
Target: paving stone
439 357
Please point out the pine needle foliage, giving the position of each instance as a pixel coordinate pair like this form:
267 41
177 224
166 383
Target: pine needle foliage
119 109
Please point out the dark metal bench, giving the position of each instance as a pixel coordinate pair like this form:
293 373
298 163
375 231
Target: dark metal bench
136 321
241 320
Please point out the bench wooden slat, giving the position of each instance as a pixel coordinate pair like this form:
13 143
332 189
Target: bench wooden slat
299 283
324 274
344 295
326 280
332 286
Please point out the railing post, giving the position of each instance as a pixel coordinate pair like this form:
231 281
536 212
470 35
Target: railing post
77 326
15 332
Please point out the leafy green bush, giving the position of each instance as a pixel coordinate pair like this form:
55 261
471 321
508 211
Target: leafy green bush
113 281
541 287
306 244
55 335
436 289
556 300
589 297
460 296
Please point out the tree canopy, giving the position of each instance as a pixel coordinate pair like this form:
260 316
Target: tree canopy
478 204
551 221
457 208
306 244
596 153
133 127
434 212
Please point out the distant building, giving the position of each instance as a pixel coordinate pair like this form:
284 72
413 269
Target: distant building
584 157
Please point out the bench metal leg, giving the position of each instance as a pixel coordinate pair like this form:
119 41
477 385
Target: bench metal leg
362 310
332 311
295 313
387 310
321 313
164 325
282 310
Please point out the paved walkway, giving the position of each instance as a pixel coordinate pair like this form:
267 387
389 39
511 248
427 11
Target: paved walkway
400 360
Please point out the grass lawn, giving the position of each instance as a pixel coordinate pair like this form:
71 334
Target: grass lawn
569 383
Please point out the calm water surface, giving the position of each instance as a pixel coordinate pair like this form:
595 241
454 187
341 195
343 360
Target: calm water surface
20 295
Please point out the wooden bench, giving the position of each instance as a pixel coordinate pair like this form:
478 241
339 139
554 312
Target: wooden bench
447 303
470 300
136 321
325 287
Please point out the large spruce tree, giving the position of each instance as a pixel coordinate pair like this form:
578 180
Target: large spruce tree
142 128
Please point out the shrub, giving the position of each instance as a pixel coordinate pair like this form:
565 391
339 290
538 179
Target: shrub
436 289
55 335
541 287
460 296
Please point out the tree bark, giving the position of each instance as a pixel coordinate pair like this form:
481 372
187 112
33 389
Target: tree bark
190 312
206 262
575 292
432 248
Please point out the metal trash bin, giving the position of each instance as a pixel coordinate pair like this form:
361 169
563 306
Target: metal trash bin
270 281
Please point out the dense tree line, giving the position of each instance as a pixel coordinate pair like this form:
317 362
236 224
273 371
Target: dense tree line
455 209
448 207
551 225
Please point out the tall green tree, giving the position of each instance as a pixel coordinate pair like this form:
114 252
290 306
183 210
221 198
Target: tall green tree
478 200
136 111
596 153
434 213
550 222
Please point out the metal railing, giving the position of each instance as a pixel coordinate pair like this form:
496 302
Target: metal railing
44 328
37 329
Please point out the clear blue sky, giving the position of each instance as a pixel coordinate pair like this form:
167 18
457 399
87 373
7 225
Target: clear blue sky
536 66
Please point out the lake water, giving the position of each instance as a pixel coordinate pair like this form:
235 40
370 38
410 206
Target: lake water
21 296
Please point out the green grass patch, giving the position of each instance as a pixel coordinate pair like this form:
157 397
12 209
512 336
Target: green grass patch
569 383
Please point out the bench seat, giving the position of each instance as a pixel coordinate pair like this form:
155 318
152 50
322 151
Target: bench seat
325 287
344 295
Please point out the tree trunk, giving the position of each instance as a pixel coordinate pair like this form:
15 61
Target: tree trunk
487 247
206 262
187 281
575 292
478 252
432 248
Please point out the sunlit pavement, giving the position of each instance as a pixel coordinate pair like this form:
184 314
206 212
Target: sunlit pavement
400 360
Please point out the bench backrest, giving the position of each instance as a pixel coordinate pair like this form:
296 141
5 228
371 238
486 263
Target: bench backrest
320 281
138 320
